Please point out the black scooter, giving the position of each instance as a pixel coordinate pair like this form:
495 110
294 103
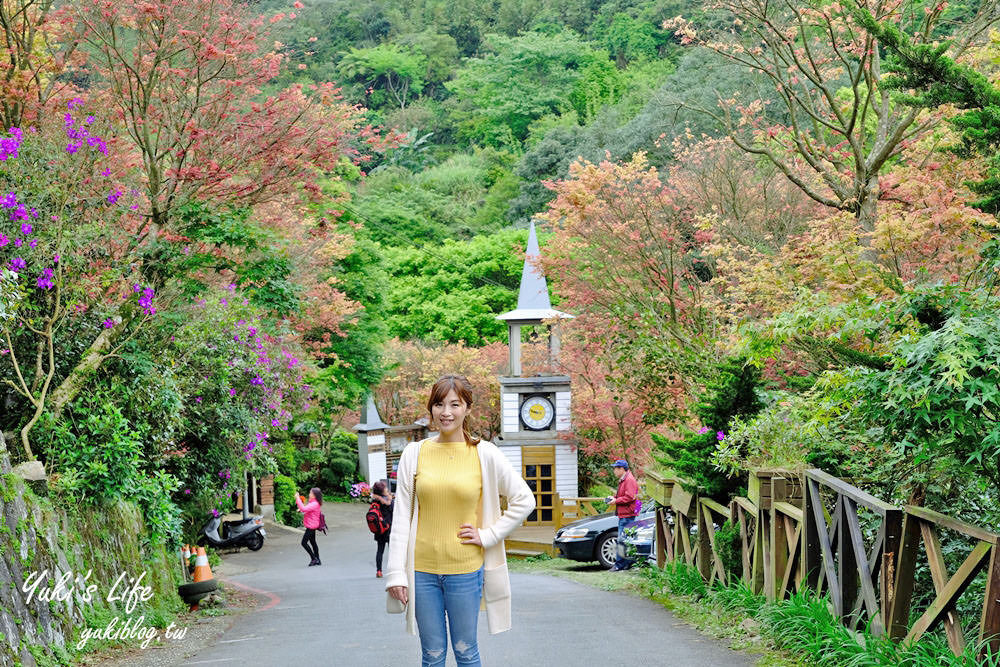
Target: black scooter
247 533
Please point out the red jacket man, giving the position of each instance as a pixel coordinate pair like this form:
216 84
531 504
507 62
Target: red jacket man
624 502
628 490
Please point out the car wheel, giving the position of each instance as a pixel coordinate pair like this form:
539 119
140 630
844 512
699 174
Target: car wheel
606 549
255 542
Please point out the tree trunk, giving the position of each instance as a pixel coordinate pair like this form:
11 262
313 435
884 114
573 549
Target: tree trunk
867 213
70 387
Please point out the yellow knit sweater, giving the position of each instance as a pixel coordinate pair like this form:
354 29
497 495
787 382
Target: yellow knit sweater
449 493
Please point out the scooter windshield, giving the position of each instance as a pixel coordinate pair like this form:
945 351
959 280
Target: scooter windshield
212 529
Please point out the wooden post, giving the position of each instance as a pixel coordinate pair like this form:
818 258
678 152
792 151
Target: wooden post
892 530
906 563
779 554
662 541
812 559
989 626
704 519
847 571
557 511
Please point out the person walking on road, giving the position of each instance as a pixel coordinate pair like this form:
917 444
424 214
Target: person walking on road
311 519
446 553
383 496
624 502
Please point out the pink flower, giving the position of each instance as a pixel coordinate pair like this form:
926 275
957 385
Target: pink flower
703 430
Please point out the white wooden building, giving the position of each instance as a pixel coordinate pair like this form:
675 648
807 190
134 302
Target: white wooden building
537 416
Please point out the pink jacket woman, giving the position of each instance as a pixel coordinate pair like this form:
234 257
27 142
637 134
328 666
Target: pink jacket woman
311 517
310 512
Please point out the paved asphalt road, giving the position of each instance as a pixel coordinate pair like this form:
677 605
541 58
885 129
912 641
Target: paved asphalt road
334 615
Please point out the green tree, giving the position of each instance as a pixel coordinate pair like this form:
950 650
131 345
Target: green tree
938 80
630 39
455 293
390 72
520 80
733 392
441 58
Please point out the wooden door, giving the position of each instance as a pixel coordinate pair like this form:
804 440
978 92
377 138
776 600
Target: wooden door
538 467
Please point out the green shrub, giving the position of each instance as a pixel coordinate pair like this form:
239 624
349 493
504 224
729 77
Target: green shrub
285 509
98 448
733 392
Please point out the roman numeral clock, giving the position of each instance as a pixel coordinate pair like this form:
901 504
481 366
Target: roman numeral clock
536 420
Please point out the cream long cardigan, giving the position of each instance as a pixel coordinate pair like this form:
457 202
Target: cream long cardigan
499 478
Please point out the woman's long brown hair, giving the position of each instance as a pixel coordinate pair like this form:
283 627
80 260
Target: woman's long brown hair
463 388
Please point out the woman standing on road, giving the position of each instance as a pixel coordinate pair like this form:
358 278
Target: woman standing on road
310 518
446 554
383 496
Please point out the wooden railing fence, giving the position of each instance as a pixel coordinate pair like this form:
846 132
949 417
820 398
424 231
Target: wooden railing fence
814 530
567 510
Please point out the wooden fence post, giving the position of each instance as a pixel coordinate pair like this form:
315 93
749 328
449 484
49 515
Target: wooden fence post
557 511
663 544
906 563
989 629
892 529
704 518
812 558
847 572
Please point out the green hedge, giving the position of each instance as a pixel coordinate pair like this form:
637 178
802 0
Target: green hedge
285 509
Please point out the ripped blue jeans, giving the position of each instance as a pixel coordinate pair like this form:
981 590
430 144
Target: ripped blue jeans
458 596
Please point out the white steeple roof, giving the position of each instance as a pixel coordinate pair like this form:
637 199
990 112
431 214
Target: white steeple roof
533 297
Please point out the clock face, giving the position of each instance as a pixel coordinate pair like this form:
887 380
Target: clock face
537 413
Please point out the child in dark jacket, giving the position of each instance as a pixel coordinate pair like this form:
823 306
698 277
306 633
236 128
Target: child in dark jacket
310 518
382 496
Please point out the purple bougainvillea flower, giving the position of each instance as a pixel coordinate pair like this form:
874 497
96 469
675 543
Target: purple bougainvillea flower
114 196
56 259
187 492
33 243
3 240
703 430
18 264
74 103
108 323
106 172
720 436
197 399
18 243
72 148
26 228
232 392
44 281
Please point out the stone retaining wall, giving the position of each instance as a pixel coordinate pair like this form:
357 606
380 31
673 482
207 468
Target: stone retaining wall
36 535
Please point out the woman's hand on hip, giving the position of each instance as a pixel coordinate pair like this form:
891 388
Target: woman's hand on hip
469 534
399 592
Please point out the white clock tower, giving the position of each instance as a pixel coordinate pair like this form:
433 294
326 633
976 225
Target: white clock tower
536 409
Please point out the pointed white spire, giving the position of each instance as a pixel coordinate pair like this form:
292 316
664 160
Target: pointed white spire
533 302
534 291
370 418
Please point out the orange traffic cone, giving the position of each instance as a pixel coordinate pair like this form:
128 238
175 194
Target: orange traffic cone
202 572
